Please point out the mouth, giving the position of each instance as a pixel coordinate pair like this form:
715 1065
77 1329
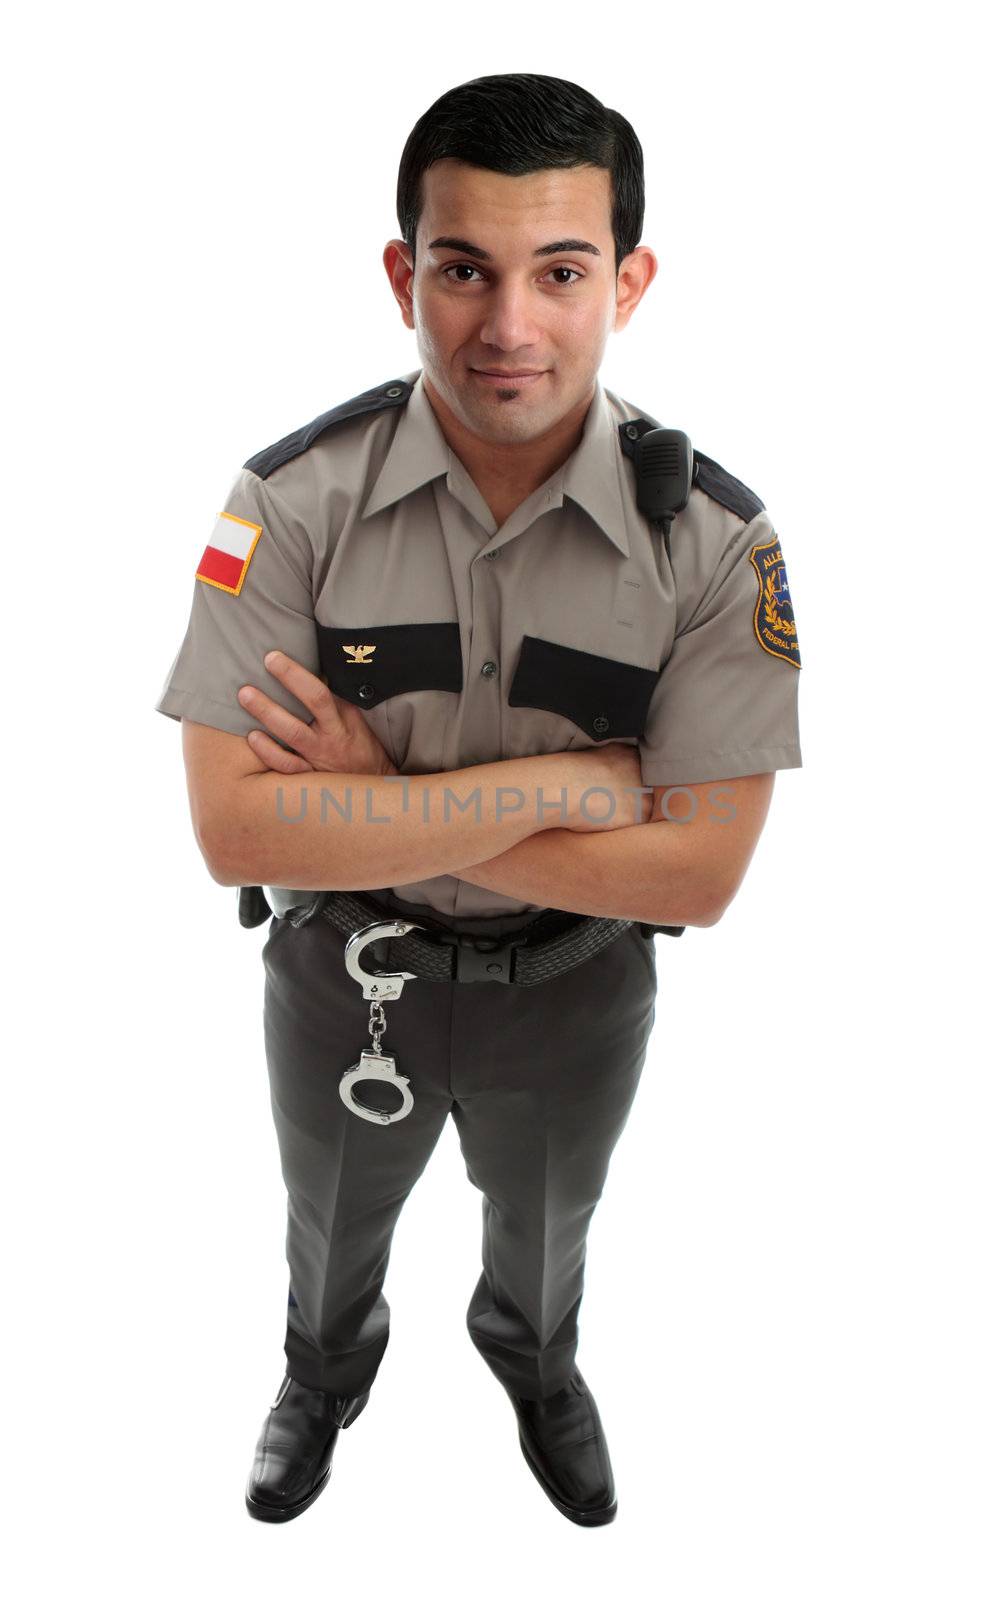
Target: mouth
499 379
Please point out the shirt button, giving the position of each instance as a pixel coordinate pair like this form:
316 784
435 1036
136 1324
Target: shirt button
365 691
491 555
600 724
488 669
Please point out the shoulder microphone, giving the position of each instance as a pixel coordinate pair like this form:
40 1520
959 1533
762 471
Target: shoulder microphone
664 469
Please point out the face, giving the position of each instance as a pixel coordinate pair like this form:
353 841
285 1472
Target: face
489 292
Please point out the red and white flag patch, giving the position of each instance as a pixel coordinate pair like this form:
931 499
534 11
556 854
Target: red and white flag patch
226 557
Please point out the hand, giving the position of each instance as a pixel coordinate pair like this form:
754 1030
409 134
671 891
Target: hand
339 739
615 768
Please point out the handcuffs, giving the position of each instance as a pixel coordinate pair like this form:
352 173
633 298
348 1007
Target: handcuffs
375 1064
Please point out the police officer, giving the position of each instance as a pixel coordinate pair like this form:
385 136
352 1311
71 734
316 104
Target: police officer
448 584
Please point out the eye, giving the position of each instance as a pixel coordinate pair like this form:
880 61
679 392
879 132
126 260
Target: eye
460 266
576 276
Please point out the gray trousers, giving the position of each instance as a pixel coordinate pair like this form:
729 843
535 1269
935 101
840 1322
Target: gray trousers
539 1080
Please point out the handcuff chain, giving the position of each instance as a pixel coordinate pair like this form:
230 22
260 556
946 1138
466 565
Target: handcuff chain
378 1023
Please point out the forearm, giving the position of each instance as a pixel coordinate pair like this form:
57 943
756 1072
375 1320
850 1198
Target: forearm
331 830
623 873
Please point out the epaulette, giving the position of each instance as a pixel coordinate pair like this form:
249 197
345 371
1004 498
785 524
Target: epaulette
384 398
724 488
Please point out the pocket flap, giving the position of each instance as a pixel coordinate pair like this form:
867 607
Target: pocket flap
607 699
366 665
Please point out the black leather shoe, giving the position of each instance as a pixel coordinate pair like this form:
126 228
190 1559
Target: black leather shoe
293 1458
564 1445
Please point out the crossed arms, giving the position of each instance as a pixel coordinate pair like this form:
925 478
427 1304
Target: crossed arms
261 815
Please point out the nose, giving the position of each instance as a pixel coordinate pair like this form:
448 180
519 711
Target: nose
510 322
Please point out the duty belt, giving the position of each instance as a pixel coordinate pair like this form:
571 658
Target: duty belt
425 949
445 955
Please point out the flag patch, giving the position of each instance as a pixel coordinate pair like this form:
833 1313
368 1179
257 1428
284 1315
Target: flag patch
226 557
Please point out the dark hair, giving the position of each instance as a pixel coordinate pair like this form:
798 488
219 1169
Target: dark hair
520 122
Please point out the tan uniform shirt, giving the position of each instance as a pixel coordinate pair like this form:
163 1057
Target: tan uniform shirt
363 549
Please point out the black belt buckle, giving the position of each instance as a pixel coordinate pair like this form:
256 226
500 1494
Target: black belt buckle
479 959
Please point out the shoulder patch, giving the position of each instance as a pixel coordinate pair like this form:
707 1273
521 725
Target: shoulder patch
725 489
384 398
774 622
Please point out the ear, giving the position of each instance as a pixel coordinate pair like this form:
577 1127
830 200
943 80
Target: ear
399 266
635 275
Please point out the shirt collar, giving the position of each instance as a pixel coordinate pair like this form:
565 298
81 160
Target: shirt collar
418 451
592 475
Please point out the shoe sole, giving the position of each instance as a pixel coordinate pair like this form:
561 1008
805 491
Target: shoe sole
267 1513
592 1518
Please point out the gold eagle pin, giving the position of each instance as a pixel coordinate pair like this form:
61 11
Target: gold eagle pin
359 653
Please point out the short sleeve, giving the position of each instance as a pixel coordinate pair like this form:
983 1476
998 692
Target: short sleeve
725 703
253 593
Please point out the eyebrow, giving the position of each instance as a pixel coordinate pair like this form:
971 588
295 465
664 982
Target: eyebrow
558 248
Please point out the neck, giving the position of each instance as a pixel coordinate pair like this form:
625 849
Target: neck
506 473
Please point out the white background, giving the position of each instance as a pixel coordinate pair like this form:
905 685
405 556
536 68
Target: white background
794 1315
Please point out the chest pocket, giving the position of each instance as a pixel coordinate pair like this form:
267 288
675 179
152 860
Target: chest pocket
407 674
606 699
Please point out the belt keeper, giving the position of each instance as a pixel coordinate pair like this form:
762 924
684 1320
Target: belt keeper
474 962
253 907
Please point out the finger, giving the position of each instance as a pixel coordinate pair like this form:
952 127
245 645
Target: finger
279 721
274 755
308 688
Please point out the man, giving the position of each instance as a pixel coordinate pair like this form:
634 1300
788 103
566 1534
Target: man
437 594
